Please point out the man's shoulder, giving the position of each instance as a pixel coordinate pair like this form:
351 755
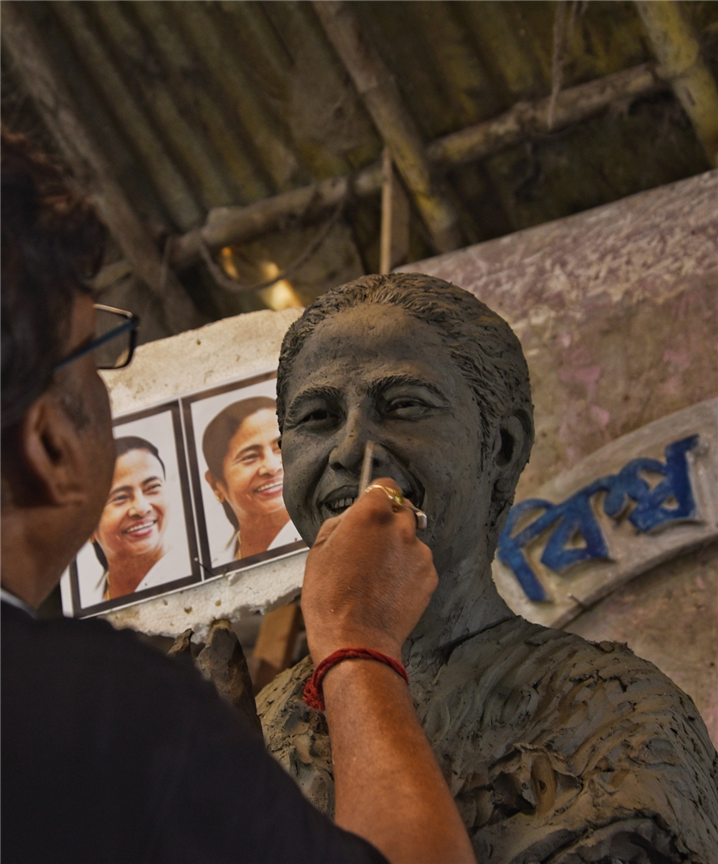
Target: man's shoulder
38 635
89 658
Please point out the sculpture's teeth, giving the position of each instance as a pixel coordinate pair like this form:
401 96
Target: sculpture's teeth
341 505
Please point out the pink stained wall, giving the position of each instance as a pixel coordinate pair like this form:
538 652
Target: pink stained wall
617 311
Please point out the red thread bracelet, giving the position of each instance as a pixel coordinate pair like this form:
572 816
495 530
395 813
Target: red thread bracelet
313 688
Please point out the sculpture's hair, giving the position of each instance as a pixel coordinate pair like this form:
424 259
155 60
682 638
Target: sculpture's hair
52 243
219 433
481 344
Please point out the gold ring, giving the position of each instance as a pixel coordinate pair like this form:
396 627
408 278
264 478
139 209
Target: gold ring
392 494
398 499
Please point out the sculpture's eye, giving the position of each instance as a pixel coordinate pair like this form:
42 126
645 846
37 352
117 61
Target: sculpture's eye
406 408
312 417
318 416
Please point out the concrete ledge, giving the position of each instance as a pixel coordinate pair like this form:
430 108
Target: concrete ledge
176 366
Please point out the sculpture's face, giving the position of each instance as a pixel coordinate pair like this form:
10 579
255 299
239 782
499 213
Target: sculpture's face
377 373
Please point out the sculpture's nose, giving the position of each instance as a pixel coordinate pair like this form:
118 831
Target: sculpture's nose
351 439
348 451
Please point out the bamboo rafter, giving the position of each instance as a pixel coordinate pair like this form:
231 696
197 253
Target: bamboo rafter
678 51
234 225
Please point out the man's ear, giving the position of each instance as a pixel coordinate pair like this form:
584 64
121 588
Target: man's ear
49 451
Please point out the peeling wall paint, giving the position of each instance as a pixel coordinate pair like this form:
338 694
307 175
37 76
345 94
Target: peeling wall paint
617 311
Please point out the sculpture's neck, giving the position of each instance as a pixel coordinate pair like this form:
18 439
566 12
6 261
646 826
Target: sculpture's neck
465 603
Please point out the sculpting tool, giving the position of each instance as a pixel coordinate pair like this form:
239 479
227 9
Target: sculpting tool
366 467
397 497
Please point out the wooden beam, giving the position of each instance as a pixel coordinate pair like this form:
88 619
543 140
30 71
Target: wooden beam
678 51
62 117
233 225
381 96
525 119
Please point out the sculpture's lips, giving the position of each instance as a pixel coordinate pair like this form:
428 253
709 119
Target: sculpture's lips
340 499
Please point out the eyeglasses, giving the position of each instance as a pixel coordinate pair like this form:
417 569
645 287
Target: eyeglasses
114 342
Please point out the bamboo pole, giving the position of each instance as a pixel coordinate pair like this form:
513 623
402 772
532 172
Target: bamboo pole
57 108
679 54
395 212
233 225
532 118
381 97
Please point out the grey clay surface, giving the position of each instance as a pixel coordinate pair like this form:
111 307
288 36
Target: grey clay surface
556 750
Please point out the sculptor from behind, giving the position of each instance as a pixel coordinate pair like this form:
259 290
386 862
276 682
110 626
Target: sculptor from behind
129 540
244 470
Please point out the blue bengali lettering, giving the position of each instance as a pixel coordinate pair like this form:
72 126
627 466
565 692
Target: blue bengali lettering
575 534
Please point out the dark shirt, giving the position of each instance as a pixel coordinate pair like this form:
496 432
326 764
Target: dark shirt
112 752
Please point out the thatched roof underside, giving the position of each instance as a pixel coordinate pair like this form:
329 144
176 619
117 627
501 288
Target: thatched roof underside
245 138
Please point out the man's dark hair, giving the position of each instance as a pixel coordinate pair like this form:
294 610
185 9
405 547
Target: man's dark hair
481 344
52 244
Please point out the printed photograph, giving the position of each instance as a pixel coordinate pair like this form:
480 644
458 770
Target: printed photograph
144 544
236 465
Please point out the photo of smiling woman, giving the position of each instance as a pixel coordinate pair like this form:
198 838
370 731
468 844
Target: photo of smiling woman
241 449
144 545
130 539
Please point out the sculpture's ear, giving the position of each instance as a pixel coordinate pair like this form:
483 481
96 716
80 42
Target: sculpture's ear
511 447
512 442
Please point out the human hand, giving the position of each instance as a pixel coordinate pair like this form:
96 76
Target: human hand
368 578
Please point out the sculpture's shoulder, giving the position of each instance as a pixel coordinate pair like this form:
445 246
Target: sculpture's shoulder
297 735
569 751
